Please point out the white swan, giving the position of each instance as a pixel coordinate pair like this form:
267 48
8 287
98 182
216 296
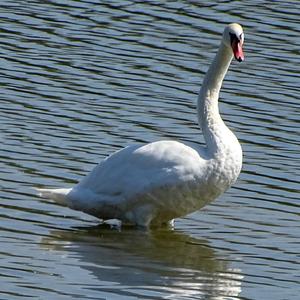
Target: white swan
150 185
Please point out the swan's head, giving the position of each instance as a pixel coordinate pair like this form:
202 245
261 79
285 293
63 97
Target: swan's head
233 37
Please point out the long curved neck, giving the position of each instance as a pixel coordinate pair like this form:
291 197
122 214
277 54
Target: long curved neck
213 128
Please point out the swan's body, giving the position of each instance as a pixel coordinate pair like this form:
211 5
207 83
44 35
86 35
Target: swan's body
154 183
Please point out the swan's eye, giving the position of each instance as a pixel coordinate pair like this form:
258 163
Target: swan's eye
234 37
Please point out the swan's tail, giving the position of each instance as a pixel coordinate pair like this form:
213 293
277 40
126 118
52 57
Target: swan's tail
58 195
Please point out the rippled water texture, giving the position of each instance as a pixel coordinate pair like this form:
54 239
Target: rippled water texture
80 80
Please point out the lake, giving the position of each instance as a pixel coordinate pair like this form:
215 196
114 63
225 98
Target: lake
82 79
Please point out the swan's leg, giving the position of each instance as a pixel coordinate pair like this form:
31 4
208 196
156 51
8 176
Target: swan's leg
143 215
114 223
168 224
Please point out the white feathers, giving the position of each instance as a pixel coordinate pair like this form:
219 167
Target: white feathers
59 195
150 185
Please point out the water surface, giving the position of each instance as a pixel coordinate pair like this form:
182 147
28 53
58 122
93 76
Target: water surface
80 80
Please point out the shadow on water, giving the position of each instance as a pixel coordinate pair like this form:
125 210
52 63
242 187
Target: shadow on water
80 80
134 262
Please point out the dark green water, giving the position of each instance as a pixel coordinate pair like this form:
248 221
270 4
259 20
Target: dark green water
81 79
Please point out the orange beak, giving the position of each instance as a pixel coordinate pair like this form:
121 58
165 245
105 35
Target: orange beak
237 50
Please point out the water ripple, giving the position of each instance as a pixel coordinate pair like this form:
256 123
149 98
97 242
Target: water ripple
80 80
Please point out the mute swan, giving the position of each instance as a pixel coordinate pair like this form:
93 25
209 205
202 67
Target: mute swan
150 185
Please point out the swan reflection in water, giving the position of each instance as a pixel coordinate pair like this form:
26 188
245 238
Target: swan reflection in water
138 263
